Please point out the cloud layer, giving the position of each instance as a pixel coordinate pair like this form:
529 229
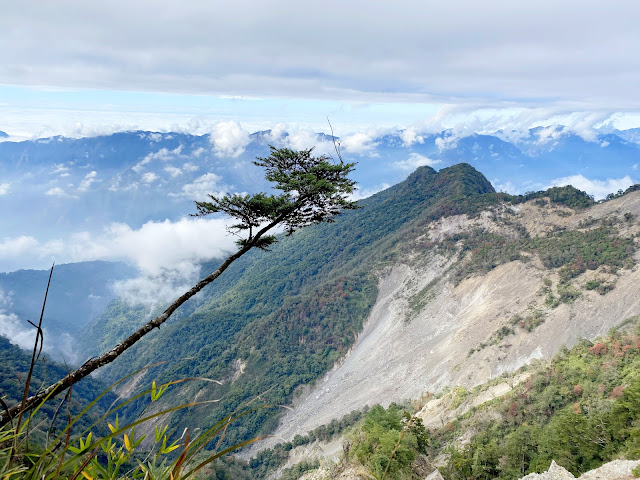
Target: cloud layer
167 253
496 51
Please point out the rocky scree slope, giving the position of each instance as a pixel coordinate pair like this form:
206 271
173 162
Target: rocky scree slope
581 409
474 296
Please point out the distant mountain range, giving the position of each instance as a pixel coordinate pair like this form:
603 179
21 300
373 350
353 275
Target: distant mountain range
63 185
79 292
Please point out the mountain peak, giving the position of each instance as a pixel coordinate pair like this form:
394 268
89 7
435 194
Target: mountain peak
421 176
462 179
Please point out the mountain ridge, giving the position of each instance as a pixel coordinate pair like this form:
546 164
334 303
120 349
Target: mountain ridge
474 317
280 319
432 269
319 274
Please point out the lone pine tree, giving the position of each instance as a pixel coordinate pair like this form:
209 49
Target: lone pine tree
314 190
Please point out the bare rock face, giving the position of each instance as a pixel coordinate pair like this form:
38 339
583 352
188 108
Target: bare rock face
555 472
435 475
427 332
615 470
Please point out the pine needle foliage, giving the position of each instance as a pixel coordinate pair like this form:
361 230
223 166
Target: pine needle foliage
315 189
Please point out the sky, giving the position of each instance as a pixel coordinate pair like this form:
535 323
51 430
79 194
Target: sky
82 68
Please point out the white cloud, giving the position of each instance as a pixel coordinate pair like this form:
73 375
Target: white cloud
229 139
277 134
166 253
162 287
164 154
550 134
359 143
139 167
359 194
17 246
198 152
506 187
86 182
4 188
59 168
530 55
302 139
173 171
157 245
447 142
6 299
18 333
58 192
598 188
410 136
190 167
202 187
149 177
416 160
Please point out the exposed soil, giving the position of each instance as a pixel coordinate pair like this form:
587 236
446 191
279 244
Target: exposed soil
400 354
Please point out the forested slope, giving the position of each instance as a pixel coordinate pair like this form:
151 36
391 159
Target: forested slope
15 367
280 319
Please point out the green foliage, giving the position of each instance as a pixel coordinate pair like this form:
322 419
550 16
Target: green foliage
499 335
118 451
270 459
486 251
315 189
529 322
573 252
581 410
15 366
418 301
293 473
388 441
570 439
567 196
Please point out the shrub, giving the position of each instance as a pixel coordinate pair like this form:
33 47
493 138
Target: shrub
598 349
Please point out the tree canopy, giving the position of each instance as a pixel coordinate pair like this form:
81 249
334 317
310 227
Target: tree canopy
314 190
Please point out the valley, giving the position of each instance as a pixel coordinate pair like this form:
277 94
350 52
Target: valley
436 283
